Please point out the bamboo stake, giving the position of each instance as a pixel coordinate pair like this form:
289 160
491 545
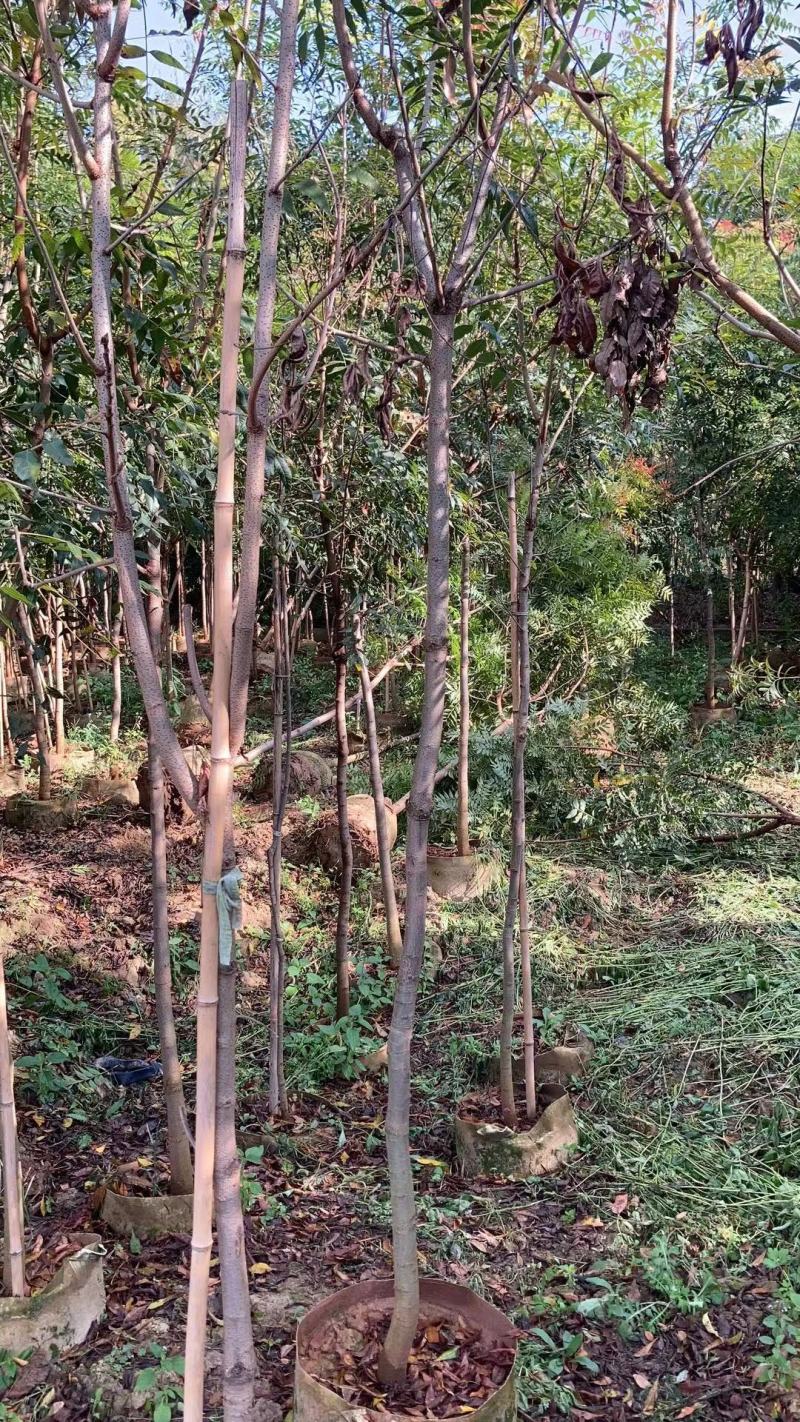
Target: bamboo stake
14 1261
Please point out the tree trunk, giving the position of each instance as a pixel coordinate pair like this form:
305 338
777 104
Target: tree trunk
393 935
711 650
203 593
280 777
219 790
39 694
345 839
394 1355
744 617
58 654
5 734
462 814
116 672
14 1229
178 1145
732 602
517 898
239 1353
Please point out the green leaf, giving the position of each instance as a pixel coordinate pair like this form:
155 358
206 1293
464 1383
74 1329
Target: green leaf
254 1154
135 1247
26 466
600 61
162 1412
55 448
145 1379
133 51
365 179
164 58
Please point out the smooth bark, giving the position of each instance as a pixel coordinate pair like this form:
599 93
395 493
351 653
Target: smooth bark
462 810
394 937
178 1144
116 674
239 1359
219 790
13 1216
262 339
394 1355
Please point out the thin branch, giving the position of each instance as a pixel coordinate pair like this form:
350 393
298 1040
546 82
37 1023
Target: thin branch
57 287
194 670
325 718
107 68
87 159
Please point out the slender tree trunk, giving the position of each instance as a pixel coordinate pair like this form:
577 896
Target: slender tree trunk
393 934
178 1145
13 1210
179 580
280 774
87 682
672 566
116 672
245 631
239 1352
711 649
747 605
203 594
517 899
219 797
5 736
58 658
732 603
345 838
462 814
39 695
405 1315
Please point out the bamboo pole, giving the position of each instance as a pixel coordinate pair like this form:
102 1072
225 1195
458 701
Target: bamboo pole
14 1260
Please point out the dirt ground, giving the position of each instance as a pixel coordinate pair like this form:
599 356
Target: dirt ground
613 1322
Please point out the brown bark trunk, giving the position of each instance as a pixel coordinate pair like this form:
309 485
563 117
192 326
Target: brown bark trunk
711 650
280 776
58 659
747 608
5 738
219 801
239 1353
405 1315
116 672
394 936
13 1210
462 812
178 1145
517 899
39 694
203 593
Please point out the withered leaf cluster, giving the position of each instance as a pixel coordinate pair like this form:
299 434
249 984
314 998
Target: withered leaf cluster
637 306
732 47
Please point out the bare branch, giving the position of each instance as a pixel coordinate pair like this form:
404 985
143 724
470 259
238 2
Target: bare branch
87 159
194 670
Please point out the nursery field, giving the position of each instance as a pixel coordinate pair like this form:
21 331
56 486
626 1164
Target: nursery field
654 1275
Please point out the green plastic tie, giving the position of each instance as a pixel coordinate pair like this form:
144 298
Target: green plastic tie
229 911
